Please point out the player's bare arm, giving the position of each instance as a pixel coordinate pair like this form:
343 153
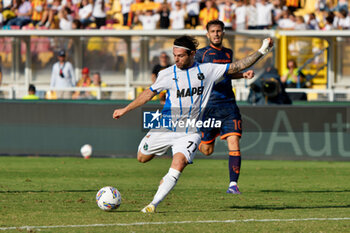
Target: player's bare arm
250 60
143 98
246 75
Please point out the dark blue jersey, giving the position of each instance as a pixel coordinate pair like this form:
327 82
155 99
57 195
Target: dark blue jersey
222 91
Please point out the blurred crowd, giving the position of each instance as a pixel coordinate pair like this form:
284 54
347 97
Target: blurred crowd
174 14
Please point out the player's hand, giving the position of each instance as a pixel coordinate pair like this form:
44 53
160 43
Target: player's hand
266 46
270 42
248 74
119 113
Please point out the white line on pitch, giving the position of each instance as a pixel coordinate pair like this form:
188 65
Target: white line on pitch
177 222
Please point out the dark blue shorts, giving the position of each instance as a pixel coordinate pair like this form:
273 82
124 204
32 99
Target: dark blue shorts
231 122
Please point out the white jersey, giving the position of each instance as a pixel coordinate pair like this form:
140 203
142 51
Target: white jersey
149 22
188 92
177 18
264 14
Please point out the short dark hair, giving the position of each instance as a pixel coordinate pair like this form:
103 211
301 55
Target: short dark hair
188 42
215 22
68 10
164 53
32 88
344 12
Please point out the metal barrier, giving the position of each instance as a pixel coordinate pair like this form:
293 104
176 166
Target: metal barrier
17 92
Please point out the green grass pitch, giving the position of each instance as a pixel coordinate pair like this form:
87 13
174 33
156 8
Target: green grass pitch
41 191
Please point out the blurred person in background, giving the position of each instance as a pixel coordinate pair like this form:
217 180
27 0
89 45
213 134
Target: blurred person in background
84 81
62 76
300 23
85 13
286 22
172 3
192 8
163 64
7 10
264 10
341 20
99 13
126 4
164 13
312 23
149 19
240 17
54 9
76 24
65 18
276 11
329 22
321 5
31 93
341 5
97 82
208 13
177 16
23 10
294 78
268 88
38 7
252 15
226 14
45 14
73 7
290 76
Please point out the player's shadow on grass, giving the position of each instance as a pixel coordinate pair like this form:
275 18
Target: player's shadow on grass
49 191
305 191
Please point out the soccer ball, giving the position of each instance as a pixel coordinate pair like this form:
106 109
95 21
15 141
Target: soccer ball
108 198
86 151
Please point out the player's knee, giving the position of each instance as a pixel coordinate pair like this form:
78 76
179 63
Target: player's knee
206 149
179 162
142 158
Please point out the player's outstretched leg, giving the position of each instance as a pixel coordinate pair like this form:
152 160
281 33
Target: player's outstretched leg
234 164
168 182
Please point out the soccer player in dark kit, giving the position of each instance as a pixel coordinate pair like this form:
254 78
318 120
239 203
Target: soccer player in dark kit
222 104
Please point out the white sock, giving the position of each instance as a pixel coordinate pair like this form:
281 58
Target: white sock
232 183
169 182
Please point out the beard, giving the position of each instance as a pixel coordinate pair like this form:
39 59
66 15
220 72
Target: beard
217 44
184 66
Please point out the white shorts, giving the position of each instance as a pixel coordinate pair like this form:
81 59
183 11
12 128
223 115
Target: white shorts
158 143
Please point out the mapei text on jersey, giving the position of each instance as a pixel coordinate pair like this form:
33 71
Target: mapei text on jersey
190 92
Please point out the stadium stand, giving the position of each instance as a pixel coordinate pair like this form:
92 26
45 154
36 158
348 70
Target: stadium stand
44 14
310 53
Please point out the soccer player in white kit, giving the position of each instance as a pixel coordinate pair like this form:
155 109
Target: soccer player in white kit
188 85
